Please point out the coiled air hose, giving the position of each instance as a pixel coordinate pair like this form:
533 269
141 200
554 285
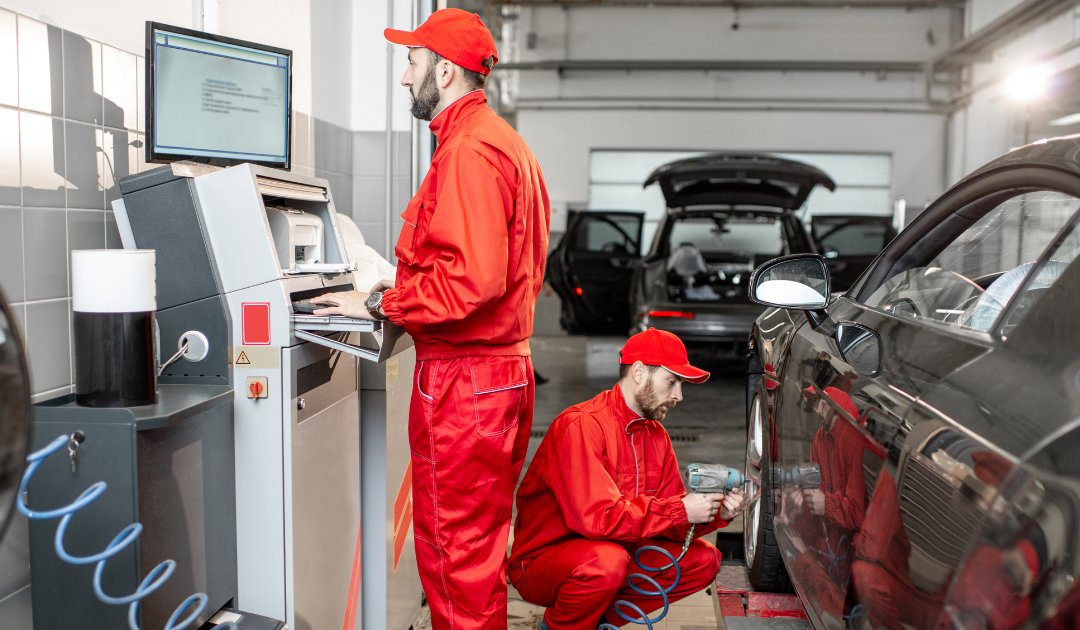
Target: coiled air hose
702 478
158 576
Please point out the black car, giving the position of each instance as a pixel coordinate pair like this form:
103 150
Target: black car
728 213
913 446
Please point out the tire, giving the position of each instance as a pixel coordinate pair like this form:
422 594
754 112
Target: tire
764 557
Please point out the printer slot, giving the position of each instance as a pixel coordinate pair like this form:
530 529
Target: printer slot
304 235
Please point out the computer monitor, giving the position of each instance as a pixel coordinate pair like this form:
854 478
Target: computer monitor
216 100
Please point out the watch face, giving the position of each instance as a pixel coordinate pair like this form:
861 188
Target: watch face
373 301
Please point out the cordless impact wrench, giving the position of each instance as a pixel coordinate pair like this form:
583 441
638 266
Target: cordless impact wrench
699 478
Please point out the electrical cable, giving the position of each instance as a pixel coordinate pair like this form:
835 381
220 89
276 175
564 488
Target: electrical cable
173 359
158 576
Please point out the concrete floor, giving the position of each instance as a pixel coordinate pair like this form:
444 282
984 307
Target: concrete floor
708 426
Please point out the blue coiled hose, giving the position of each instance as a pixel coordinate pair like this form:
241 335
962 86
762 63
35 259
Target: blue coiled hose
642 618
158 576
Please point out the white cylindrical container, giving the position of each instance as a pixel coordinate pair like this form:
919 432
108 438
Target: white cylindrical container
114 298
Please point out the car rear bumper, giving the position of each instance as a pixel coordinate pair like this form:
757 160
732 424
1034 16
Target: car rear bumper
709 333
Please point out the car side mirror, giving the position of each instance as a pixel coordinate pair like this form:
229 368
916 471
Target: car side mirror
799 282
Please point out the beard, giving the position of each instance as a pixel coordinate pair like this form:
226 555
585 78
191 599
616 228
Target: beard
651 406
426 98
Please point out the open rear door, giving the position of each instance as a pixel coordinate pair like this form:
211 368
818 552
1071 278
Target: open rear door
850 243
591 269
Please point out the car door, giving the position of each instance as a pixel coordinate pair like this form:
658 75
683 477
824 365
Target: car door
890 532
850 243
593 265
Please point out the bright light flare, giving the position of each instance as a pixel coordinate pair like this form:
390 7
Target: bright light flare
1029 82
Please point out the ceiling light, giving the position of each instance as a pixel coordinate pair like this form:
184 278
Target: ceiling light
1029 82
1065 121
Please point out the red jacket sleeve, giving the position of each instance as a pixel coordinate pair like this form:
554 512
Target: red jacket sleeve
847 508
591 502
468 229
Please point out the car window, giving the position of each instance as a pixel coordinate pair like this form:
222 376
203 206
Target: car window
972 280
851 239
611 234
720 237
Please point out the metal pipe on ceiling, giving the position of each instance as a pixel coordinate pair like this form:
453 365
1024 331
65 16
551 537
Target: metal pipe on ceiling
741 4
688 65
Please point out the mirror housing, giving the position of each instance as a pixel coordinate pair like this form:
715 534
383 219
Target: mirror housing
860 347
797 282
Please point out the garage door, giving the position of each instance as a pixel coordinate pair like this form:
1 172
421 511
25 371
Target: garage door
863 182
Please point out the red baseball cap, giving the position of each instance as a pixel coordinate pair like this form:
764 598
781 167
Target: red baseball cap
454 34
659 347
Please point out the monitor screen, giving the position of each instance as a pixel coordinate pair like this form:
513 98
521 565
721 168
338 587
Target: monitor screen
215 99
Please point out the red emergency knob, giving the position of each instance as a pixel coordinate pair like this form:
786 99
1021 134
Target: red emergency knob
256 388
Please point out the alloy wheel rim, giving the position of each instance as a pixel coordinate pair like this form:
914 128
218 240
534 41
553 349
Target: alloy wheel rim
752 516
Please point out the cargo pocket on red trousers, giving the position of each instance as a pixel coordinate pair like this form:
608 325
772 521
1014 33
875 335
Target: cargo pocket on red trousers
498 390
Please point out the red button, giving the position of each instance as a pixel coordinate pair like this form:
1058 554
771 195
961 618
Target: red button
256 389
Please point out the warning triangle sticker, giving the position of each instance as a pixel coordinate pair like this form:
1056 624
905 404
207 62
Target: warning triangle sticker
242 359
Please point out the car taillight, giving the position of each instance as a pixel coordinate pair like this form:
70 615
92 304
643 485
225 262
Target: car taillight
682 314
578 291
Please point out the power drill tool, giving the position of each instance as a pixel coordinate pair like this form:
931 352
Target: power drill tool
709 479
806 475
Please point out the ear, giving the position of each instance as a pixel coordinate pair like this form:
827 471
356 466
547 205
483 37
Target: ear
445 73
639 372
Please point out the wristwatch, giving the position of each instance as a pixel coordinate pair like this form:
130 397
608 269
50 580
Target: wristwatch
373 303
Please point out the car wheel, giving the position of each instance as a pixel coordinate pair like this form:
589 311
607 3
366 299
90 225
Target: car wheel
567 320
764 563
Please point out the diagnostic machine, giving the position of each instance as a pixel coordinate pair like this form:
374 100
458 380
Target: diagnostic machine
319 405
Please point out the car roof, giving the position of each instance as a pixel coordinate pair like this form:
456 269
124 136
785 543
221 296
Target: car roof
738 178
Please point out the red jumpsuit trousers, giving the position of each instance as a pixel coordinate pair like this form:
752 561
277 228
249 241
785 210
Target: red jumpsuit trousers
581 579
469 423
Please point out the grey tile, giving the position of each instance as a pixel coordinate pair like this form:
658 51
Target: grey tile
41 67
374 235
15 557
119 159
369 199
401 193
340 188
112 234
402 153
343 151
10 191
139 144
82 78
301 140
45 243
19 310
16 609
41 142
9 59
48 341
369 153
11 254
84 165
118 82
86 230
324 153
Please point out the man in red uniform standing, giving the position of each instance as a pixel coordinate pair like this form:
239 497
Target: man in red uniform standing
605 483
470 266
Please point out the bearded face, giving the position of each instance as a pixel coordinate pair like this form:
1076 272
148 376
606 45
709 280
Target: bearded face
652 406
425 97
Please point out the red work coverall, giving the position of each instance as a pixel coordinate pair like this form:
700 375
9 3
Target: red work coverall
603 483
470 266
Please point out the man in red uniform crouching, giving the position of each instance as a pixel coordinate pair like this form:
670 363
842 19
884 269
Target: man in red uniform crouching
604 483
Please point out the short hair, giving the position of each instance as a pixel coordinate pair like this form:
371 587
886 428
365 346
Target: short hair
624 370
473 79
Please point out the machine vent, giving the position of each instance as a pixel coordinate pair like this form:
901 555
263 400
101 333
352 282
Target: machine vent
289 190
685 437
939 521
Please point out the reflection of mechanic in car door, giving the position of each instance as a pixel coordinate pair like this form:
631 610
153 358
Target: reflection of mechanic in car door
471 262
838 449
605 483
